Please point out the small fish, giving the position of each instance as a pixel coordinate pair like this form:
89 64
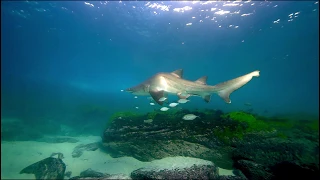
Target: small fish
173 104
137 107
189 117
136 97
182 101
162 99
247 104
164 109
183 95
121 90
152 104
148 121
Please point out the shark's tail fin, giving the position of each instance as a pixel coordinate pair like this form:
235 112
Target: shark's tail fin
226 88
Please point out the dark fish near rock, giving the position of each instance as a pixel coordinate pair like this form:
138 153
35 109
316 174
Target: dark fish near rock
48 168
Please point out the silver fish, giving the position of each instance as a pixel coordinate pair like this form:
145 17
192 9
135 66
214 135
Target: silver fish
189 117
164 109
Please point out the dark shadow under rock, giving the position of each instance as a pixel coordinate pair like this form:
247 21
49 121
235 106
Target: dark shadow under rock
194 172
152 150
91 173
231 178
289 170
253 170
276 158
78 150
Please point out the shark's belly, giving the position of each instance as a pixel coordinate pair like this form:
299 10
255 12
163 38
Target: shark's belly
168 89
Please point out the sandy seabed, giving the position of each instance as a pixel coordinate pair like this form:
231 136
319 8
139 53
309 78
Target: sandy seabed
16 155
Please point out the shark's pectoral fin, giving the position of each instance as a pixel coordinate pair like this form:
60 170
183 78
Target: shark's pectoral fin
156 95
207 98
226 88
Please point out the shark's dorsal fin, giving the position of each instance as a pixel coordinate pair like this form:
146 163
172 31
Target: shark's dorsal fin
202 80
178 73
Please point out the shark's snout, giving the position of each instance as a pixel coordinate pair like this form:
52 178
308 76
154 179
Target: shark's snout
130 90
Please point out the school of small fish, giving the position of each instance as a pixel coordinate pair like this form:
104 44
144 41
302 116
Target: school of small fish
187 117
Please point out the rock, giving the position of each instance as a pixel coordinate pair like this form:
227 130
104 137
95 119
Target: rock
193 172
78 150
49 168
168 135
231 178
118 176
152 150
68 174
253 170
61 139
180 168
92 173
95 175
290 170
252 143
262 158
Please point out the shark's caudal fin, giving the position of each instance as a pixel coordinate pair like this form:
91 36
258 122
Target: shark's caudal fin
226 88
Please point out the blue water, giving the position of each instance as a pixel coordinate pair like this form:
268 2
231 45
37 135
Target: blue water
58 57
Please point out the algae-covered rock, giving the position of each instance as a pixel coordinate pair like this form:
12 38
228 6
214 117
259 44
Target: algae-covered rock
252 143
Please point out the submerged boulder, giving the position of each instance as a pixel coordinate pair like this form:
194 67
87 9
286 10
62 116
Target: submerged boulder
78 150
48 168
166 136
95 175
253 144
194 172
178 168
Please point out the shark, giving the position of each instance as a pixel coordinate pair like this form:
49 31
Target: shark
162 84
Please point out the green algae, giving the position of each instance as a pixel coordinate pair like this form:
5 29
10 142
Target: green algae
253 123
237 124
124 115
